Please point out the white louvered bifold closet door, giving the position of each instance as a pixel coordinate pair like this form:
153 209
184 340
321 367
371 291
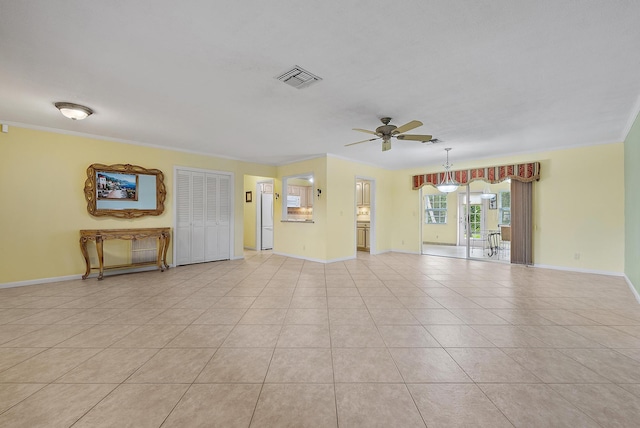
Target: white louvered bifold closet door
211 229
182 234
203 217
197 218
224 216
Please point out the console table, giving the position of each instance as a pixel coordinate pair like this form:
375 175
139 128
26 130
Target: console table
100 235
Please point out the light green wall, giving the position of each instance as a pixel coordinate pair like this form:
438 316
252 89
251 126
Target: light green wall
632 204
42 177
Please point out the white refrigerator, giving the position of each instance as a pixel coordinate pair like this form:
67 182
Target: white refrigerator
266 216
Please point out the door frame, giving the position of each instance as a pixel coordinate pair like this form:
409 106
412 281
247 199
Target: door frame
232 200
258 200
372 215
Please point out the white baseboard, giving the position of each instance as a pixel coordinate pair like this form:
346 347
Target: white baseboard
237 258
311 259
93 275
405 252
39 281
250 248
633 289
580 270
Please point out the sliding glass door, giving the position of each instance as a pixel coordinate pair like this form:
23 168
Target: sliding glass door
466 223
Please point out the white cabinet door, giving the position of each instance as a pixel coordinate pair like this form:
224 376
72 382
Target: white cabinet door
267 188
303 197
366 193
361 237
367 239
359 193
310 197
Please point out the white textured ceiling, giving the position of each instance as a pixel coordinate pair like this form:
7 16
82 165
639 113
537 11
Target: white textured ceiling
488 78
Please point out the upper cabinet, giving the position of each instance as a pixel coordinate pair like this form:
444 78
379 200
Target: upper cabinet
363 193
366 193
267 188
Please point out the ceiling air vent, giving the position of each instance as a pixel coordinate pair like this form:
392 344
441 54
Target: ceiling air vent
298 78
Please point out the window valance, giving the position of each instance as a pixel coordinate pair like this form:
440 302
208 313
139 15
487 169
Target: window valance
525 172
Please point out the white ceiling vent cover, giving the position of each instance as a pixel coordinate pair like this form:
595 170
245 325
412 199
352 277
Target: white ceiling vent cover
298 77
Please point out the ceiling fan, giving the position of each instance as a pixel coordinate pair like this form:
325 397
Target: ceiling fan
386 132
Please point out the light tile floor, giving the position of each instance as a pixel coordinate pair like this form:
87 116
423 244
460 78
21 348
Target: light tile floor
391 340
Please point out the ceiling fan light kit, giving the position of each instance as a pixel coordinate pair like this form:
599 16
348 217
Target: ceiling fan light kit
449 184
387 131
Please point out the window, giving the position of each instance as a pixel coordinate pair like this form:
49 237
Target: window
504 206
475 220
435 211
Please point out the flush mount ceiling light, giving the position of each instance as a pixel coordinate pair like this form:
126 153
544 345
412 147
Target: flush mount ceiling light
449 184
73 111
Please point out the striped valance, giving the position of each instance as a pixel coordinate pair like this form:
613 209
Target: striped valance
524 172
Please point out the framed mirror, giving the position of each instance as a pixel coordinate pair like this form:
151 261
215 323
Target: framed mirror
123 190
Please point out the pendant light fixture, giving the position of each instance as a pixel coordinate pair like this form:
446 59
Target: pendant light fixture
486 193
449 184
73 111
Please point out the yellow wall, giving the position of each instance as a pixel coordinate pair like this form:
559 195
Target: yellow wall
578 216
441 233
299 239
579 221
341 207
250 210
42 178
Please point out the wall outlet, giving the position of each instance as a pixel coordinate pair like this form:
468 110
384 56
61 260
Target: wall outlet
304 247
576 256
403 242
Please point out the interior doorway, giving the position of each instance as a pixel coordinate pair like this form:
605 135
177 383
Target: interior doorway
365 214
264 215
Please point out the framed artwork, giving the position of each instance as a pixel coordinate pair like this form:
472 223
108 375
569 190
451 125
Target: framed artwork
493 203
248 197
116 185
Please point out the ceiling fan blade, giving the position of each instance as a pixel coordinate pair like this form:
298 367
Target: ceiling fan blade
363 141
364 130
407 127
422 138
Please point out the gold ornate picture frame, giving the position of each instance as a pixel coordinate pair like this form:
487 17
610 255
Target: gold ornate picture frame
150 192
